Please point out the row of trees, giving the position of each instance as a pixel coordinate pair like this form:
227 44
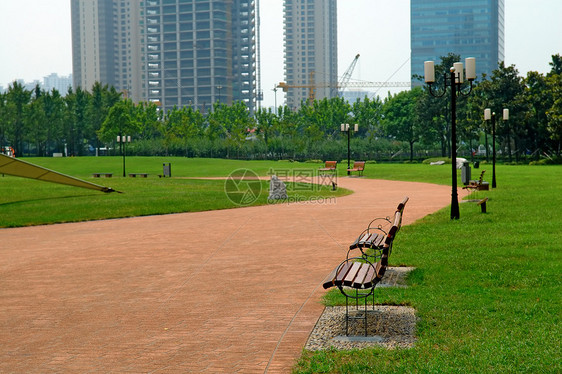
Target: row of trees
411 122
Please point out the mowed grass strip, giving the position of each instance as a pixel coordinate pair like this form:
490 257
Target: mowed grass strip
487 288
25 202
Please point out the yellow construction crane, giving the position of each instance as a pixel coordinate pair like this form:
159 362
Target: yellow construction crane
341 85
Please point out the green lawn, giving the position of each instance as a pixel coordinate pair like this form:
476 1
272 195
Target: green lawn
486 289
25 202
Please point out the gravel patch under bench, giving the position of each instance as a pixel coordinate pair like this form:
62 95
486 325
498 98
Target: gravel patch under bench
388 326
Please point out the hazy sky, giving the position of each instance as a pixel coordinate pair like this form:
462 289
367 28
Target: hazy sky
35 39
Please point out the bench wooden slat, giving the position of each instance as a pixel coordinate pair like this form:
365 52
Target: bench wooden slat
364 239
378 241
365 278
337 275
329 281
352 274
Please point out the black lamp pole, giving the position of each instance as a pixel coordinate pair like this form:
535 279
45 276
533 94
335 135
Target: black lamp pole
123 140
454 80
345 127
489 115
494 150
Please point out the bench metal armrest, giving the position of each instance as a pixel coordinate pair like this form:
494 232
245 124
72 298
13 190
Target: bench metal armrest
379 226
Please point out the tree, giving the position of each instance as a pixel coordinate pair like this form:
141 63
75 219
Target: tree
369 114
401 119
556 65
16 108
76 120
538 99
266 122
37 122
506 90
149 120
554 114
119 121
234 122
3 118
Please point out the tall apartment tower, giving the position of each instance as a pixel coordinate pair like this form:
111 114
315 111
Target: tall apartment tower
106 45
311 47
172 52
469 28
199 52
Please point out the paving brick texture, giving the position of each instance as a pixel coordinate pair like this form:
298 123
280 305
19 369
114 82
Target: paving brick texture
231 291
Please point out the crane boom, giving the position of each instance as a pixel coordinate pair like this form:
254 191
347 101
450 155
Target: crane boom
355 84
347 75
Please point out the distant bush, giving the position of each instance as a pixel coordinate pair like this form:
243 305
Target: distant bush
428 161
547 161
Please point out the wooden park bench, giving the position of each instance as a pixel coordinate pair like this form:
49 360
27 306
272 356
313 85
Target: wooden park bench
374 236
98 175
134 175
358 166
357 277
479 184
330 167
328 174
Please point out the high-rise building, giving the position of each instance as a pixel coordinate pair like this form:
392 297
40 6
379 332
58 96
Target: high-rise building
469 28
311 47
106 45
54 81
173 52
199 53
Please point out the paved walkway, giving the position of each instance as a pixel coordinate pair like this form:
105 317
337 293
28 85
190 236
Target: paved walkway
217 292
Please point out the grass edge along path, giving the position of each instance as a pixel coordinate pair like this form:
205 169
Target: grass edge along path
25 202
486 289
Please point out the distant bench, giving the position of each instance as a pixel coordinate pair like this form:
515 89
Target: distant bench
134 175
98 175
358 166
479 184
329 167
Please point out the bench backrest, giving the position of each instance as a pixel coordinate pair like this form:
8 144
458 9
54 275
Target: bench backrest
387 248
330 164
359 165
481 177
402 204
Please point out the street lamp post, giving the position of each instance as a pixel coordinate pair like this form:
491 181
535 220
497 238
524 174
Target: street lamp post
346 129
489 115
454 79
219 87
123 140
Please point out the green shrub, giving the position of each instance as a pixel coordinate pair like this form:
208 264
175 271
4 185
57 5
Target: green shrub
428 161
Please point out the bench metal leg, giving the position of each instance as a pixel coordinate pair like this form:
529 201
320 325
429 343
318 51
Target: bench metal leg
347 317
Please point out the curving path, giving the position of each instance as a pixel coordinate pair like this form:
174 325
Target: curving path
217 292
